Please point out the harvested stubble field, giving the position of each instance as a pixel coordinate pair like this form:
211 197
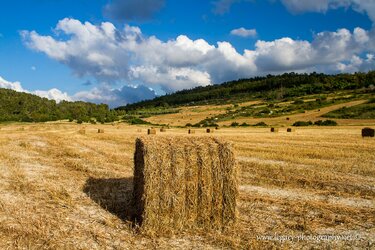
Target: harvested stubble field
62 189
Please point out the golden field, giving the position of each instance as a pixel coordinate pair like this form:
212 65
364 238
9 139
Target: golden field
62 189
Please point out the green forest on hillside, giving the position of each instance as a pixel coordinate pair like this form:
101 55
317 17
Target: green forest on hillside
24 107
282 87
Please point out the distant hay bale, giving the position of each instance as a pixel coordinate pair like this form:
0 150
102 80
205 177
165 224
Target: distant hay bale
151 131
274 130
191 131
100 131
163 129
290 130
82 131
217 128
287 118
209 131
183 183
368 132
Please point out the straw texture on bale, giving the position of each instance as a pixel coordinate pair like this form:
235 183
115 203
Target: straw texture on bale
151 131
101 131
275 130
290 130
184 183
368 132
191 131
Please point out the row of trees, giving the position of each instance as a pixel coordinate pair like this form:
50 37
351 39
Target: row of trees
24 107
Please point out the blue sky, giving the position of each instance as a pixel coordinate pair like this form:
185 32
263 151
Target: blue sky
122 51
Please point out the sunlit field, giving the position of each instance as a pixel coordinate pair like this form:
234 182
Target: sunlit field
62 189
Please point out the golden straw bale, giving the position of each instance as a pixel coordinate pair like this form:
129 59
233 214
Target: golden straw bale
290 130
151 131
209 131
274 130
183 183
100 131
163 129
368 132
191 131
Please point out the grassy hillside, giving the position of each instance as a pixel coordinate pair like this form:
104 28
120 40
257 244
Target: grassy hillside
363 111
24 107
282 87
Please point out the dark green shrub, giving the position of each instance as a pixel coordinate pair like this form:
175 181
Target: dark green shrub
325 123
302 123
261 124
298 101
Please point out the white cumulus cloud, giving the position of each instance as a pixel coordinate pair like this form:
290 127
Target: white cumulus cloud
244 32
116 97
362 6
127 56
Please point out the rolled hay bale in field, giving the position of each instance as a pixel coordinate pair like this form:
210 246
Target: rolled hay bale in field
209 131
100 131
368 132
274 130
151 131
290 130
82 131
191 131
163 129
184 183
217 128
287 118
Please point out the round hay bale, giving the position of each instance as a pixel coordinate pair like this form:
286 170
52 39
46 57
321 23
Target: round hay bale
163 129
151 131
274 130
209 131
100 131
368 132
191 131
290 130
287 118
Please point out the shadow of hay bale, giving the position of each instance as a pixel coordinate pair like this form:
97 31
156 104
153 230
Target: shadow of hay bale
114 195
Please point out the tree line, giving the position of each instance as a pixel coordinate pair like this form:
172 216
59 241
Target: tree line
24 107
